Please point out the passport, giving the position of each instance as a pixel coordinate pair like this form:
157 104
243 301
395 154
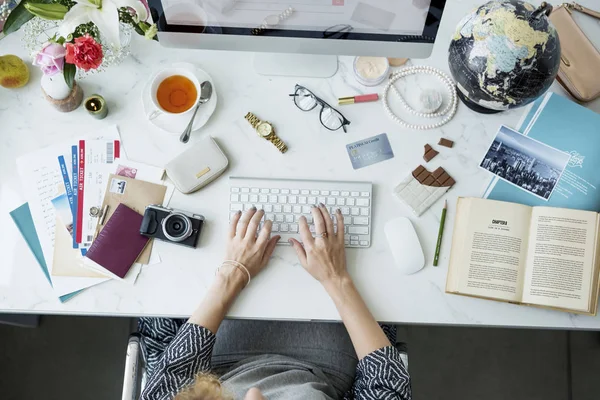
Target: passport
119 243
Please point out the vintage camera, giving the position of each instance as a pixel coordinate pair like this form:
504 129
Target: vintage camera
170 225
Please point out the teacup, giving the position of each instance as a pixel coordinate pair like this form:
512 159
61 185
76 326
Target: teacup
172 73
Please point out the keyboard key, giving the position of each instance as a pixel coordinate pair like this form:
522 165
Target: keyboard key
263 198
264 191
234 198
254 190
364 211
346 242
275 191
268 208
287 209
309 219
304 191
312 200
297 209
345 211
285 191
245 190
358 230
289 218
253 198
331 201
345 194
294 228
282 200
355 211
362 202
350 202
284 228
235 190
354 242
347 220
354 194
295 191
244 198
277 208
292 199
341 201
365 194
364 243
298 217
325 192
353 237
247 206
270 217
236 207
360 221
279 218
335 193
275 228
314 192
306 209
272 199
302 199
321 200
259 207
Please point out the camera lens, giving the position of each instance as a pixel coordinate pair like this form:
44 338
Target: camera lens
177 227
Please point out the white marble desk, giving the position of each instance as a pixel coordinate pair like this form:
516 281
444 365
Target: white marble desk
284 291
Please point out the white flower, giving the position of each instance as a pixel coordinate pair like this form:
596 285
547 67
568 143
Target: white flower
104 14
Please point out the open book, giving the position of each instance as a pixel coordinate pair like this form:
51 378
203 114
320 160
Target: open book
540 256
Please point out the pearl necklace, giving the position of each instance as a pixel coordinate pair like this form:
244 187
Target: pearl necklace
447 113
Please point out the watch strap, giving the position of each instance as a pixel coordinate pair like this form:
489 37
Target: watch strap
253 120
281 146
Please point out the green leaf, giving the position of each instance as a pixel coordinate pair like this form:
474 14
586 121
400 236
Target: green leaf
69 71
17 18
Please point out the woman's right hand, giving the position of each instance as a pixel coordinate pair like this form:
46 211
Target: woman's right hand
323 257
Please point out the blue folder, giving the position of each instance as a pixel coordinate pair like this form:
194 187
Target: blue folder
24 221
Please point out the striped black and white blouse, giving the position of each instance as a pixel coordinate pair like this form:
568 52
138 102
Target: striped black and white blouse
179 351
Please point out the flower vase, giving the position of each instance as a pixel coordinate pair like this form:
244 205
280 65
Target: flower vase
58 93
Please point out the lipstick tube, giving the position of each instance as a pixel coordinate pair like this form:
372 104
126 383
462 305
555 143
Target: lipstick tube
365 98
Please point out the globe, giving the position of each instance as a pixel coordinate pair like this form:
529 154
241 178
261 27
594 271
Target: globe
505 54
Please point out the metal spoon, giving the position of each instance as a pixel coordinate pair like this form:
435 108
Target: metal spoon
205 95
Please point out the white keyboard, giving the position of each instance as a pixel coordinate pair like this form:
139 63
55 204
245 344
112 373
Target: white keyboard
285 201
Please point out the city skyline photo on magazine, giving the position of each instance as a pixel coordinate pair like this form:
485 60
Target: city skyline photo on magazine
525 163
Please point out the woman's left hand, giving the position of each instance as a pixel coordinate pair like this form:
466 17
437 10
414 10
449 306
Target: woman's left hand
245 246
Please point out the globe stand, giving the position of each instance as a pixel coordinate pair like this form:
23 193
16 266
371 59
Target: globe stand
474 106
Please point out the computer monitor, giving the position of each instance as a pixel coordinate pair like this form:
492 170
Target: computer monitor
309 32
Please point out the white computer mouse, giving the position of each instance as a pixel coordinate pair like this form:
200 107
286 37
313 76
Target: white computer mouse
405 246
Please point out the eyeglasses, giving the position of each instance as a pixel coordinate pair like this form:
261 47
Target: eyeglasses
331 118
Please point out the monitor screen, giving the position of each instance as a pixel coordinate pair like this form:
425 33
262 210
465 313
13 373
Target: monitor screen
359 20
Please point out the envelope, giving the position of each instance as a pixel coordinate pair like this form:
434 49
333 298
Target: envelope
68 261
136 195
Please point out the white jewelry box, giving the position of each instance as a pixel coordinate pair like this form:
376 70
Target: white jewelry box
197 166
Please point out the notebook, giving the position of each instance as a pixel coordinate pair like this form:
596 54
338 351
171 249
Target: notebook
24 222
119 243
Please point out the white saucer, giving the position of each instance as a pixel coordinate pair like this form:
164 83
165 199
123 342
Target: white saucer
176 124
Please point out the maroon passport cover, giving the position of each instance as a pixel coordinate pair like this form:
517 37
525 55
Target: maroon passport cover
119 243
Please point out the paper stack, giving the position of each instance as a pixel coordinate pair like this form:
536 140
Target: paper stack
72 190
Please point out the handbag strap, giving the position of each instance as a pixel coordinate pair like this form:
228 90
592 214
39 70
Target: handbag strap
578 7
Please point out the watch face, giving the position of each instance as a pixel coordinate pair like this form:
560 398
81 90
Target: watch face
264 129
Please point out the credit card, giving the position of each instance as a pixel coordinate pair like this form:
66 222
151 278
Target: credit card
369 151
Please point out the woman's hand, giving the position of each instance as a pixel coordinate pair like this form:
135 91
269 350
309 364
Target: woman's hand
323 257
244 246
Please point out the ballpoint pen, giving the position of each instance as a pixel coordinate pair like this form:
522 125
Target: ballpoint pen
440 235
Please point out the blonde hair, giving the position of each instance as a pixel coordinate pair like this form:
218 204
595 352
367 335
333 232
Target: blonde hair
204 387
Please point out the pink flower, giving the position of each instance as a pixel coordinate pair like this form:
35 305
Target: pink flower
51 59
85 53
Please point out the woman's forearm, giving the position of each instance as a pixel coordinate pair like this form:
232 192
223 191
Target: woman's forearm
225 288
365 333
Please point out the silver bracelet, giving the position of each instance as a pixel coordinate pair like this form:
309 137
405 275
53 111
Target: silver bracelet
239 266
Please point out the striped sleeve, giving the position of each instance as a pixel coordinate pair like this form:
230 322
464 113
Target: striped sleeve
188 354
381 375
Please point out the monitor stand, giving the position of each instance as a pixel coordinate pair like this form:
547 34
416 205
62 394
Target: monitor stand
296 65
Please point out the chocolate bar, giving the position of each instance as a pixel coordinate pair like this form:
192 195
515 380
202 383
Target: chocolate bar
446 143
429 154
422 188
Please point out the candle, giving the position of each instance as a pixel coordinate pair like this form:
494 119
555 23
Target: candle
96 106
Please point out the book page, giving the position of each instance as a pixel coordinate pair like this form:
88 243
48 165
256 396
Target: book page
560 263
494 243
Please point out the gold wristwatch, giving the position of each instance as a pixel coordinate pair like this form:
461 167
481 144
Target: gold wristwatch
266 130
